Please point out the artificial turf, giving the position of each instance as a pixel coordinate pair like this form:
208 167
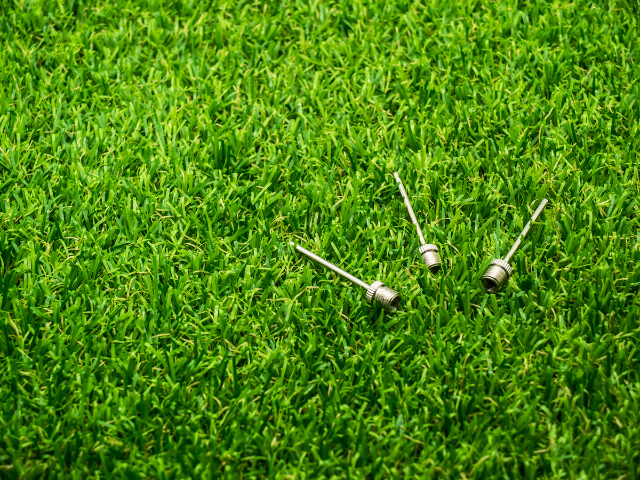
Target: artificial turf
156 159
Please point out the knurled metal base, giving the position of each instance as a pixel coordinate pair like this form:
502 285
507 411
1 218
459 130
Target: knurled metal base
384 296
431 257
496 276
371 291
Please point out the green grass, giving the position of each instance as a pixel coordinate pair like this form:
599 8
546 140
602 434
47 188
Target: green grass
157 158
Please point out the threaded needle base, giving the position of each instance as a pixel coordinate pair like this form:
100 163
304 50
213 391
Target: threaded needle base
431 257
496 276
384 296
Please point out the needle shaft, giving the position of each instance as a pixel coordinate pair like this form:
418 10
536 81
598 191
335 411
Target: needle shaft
525 230
330 266
407 203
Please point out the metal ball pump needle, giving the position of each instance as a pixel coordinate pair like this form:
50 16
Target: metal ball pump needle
428 251
497 274
377 292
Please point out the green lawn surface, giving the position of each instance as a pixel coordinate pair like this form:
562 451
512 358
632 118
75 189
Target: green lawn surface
156 159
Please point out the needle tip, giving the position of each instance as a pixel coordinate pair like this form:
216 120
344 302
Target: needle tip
538 211
397 177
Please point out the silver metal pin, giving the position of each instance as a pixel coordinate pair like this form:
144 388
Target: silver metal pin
377 292
498 273
428 251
